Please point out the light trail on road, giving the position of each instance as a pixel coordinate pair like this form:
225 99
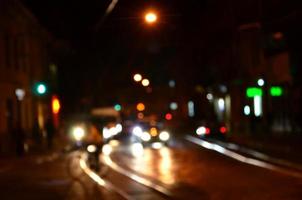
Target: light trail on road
95 177
241 158
259 155
107 160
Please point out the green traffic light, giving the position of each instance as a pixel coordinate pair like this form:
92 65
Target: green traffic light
117 107
41 88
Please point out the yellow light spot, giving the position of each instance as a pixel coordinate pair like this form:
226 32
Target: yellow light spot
153 131
56 105
140 107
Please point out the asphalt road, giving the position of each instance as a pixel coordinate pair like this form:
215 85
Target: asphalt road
181 171
185 170
49 177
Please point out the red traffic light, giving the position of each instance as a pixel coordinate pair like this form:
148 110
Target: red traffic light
55 105
168 116
223 129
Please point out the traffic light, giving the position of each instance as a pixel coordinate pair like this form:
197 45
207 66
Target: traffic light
168 116
117 107
55 108
40 88
55 105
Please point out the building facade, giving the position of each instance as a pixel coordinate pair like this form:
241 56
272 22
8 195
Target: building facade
249 41
23 62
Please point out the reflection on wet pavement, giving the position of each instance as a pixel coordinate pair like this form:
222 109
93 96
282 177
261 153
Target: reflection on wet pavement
156 163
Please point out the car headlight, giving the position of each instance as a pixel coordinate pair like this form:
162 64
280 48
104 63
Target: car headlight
106 133
137 131
119 128
202 130
146 136
113 131
78 133
107 149
91 148
153 131
164 136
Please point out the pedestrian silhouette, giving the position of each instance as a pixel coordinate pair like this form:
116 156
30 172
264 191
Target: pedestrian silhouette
19 137
50 131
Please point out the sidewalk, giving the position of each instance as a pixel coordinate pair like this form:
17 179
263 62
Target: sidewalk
38 175
33 151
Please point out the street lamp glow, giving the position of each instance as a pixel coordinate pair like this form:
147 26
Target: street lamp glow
137 77
150 17
210 96
140 107
221 104
20 93
173 106
260 82
145 82
247 110
171 83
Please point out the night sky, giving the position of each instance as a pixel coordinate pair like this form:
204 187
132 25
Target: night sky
104 52
190 43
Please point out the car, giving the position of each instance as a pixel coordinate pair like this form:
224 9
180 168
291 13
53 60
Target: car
79 126
211 129
109 121
151 133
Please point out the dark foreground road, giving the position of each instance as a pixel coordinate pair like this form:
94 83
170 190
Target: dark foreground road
48 178
180 171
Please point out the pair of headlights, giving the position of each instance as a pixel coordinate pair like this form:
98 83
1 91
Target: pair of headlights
109 132
79 132
146 136
203 130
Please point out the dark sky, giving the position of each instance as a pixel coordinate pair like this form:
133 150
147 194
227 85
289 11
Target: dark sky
68 19
73 19
190 43
121 45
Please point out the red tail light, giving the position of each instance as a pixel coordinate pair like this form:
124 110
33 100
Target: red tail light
208 131
223 129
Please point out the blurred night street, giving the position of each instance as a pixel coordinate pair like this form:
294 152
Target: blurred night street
150 99
183 170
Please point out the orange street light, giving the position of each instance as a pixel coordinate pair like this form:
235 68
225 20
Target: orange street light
150 17
140 107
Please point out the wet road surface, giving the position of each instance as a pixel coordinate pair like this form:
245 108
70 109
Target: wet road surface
40 178
182 170
187 170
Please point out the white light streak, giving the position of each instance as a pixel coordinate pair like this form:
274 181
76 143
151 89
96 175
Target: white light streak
258 106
